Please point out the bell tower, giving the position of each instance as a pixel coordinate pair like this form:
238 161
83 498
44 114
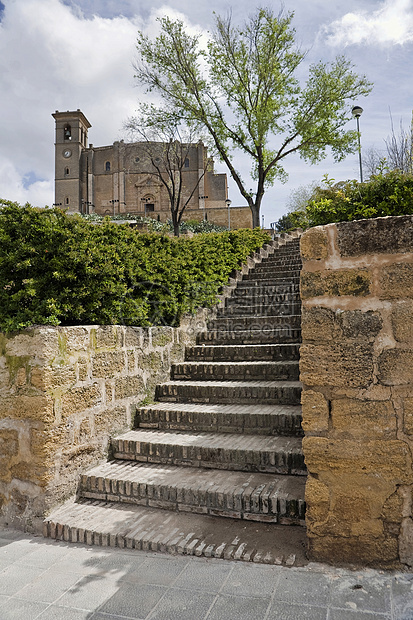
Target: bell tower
71 140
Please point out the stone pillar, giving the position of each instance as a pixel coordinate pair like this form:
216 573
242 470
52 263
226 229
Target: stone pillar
357 371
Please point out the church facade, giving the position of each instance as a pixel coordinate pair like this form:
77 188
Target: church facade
116 179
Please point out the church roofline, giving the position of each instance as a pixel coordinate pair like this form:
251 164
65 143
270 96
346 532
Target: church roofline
70 114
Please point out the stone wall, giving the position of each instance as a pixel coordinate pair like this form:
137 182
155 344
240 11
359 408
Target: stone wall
63 392
357 370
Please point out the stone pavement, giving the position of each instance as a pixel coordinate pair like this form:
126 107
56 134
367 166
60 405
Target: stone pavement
48 580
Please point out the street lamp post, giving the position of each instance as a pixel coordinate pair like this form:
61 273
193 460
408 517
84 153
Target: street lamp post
228 203
357 111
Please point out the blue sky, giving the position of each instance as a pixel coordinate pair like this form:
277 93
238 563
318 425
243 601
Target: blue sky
69 54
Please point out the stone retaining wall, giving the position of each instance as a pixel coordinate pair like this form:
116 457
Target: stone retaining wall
63 392
357 370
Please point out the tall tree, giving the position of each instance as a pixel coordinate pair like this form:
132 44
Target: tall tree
244 88
168 145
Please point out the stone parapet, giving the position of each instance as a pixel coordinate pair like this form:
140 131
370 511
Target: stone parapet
63 392
356 368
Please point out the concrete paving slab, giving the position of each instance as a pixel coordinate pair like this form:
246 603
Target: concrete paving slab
129 584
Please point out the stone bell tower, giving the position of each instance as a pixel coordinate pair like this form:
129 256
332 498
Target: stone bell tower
71 140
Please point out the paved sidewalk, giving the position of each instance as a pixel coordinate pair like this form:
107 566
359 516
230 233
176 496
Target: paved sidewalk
50 580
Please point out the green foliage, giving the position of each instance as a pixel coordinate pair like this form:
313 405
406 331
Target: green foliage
389 193
194 226
59 269
244 89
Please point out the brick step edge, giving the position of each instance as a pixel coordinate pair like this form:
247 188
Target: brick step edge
242 353
260 497
285 422
275 455
101 524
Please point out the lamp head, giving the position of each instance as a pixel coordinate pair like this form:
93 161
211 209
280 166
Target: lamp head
357 111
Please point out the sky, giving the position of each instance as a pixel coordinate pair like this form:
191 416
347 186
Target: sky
70 54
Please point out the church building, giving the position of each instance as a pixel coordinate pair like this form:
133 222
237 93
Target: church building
119 178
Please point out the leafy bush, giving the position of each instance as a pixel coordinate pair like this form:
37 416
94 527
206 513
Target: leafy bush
59 269
389 193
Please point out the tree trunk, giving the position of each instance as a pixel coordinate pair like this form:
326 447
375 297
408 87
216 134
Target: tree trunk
176 229
255 210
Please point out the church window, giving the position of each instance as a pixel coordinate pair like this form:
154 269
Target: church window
67 201
186 163
67 132
67 172
107 166
137 159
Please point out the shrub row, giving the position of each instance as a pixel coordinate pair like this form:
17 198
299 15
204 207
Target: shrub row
389 193
59 269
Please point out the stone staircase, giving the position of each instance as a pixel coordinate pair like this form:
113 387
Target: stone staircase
222 440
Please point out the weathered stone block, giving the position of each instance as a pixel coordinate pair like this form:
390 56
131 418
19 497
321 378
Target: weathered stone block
319 325
48 378
317 497
314 244
315 408
83 369
78 399
9 442
106 336
360 419
366 550
382 235
323 324
133 337
395 367
151 362
162 336
108 364
31 472
35 342
354 282
27 407
408 415
77 338
396 281
386 460
406 542
110 420
402 321
392 508
125 387
338 364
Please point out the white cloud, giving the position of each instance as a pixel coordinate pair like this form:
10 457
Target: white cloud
391 24
53 58
13 186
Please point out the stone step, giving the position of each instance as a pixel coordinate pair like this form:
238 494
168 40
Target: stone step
261 298
275 335
243 352
266 323
280 286
237 310
234 494
249 419
230 392
138 527
280 260
229 451
236 371
274 280
288 255
270 275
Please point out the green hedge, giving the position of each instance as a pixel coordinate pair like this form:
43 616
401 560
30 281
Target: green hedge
384 194
59 269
